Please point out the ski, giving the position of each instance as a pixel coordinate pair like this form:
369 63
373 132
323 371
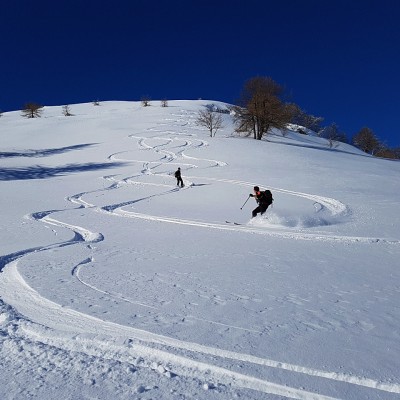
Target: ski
232 222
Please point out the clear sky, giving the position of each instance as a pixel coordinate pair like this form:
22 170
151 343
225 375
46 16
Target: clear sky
339 59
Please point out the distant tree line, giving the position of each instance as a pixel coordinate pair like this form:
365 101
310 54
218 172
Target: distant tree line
261 107
367 141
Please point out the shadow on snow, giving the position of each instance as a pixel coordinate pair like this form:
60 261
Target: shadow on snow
42 172
44 152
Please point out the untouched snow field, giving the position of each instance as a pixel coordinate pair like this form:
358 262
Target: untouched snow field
116 284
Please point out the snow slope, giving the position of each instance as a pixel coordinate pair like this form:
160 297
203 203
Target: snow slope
115 283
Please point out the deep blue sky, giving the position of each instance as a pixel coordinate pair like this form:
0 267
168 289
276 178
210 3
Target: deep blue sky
339 59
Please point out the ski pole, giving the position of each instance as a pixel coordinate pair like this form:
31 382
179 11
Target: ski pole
245 202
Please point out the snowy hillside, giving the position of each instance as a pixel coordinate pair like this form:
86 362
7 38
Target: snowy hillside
115 283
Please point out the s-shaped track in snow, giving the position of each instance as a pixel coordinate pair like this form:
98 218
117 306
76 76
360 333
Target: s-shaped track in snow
61 327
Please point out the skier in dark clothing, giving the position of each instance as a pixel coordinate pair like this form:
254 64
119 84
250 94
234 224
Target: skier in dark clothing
263 200
178 177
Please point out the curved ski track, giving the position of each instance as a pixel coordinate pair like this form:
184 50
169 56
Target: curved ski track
74 331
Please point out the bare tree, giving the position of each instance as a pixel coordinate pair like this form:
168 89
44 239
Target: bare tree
67 111
366 140
261 108
332 134
210 120
32 110
145 101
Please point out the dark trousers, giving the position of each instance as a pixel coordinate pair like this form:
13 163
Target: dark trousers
260 209
179 181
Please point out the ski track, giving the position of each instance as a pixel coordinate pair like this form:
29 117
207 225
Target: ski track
71 330
335 207
73 324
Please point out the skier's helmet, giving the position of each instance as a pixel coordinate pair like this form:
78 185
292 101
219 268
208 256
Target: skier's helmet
256 188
